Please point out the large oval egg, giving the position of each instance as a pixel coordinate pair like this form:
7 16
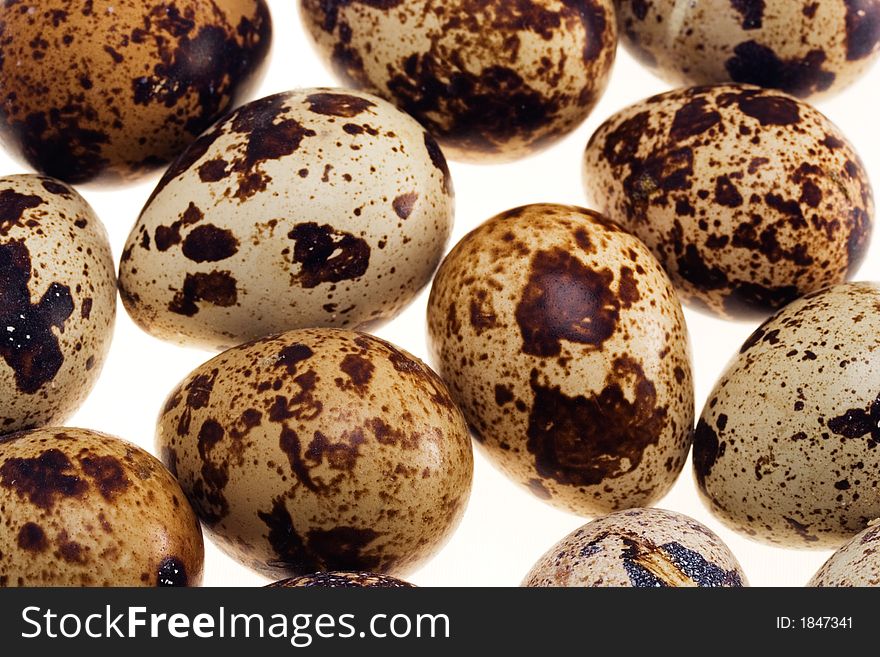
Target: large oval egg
640 548
786 450
493 80
748 197
81 508
320 450
564 344
310 208
807 49
57 301
111 89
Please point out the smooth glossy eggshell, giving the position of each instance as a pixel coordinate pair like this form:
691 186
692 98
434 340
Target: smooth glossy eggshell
807 49
564 344
320 450
493 80
57 301
317 207
81 508
640 548
787 449
749 198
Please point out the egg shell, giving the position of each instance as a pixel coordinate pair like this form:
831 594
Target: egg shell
316 207
57 301
808 49
563 342
786 448
342 580
855 564
493 80
640 548
748 197
110 89
320 450
81 508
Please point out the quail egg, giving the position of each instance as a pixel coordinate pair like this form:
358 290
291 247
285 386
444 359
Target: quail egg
57 301
748 197
786 450
81 508
493 80
111 89
563 342
805 48
855 564
313 208
320 450
341 580
641 548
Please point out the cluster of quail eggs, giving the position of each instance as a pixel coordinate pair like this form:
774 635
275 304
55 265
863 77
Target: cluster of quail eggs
285 230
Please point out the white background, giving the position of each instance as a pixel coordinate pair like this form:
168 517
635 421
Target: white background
505 529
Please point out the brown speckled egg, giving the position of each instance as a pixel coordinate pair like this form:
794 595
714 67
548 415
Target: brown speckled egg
342 580
748 197
320 450
493 80
114 88
786 450
313 208
855 564
563 342
805 47
641 548
57 301
81 508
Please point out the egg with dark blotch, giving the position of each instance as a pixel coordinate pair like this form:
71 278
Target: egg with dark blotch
111 89
786 450
81 508
807 49
492 80
57 301
563 342
342 580
320 450
640 548
748 197
855 564
312 208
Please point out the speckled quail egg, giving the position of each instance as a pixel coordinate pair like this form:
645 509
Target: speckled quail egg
493 80
313 208
642 548
320 450
748 197
57 301
805 47
563 342
786 448
855 564
81 508
341 580
112 88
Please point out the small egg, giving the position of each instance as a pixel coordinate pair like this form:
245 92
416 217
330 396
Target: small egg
81 508
313 208
748 197
492 80
342 580
563 342
640 548
786 450
110 89
57 301
855 564
320 450
807 49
